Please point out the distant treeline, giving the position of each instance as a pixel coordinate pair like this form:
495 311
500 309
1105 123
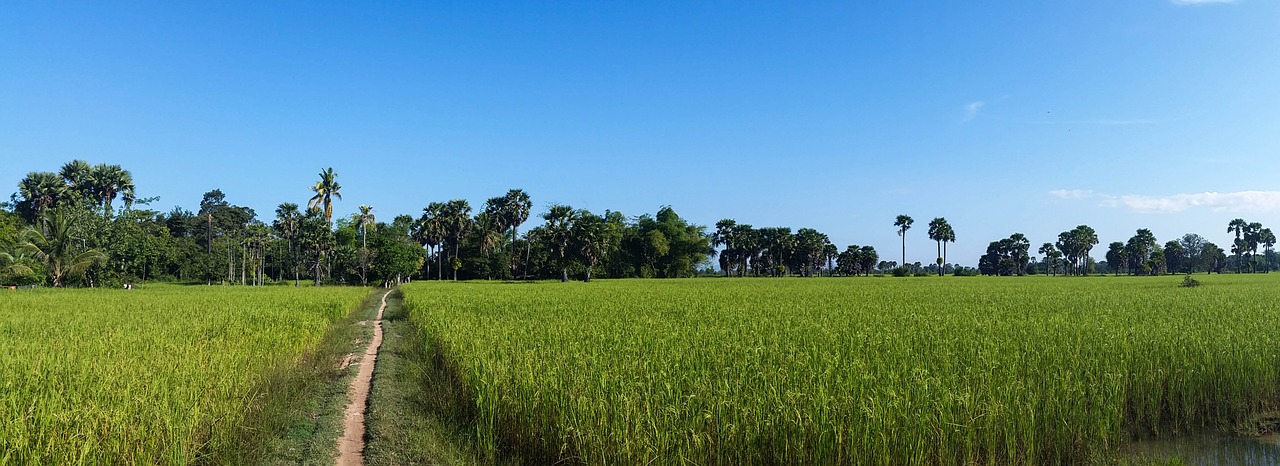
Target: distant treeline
67 228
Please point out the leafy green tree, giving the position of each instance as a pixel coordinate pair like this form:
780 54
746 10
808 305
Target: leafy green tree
1139 249
1175 257
903 223
1213 257
1193 249
326 189
868 259
1052 257
59 249
594 237
1117 257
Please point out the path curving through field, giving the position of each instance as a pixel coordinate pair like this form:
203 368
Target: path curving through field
351 444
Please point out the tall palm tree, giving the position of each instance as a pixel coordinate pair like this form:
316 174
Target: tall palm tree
76 174
1238 226
723 236
517 212
559 231
1268 240
57 248
938 228
457 221
903 223
286 224
42 189
366 221
326 189
949 236
109 181
1252 236
431 234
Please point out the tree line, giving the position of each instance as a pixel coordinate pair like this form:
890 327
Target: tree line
64 228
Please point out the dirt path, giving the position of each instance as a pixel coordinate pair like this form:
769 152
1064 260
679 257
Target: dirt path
351 444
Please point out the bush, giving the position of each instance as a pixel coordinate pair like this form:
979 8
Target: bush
1188 282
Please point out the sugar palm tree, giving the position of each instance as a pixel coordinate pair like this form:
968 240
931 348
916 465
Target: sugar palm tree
559 231
108 182
326 189
938 231
76 174
57 248
517 212
430 233
903 223
42 189
286 224
1238 226
456 216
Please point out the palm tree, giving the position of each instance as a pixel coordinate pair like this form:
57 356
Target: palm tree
287 219
1252 236
457 221
723 236
42 189
903 223
57 248
938 231
108 181
518 208
366 220
1238 226
1268 240
326 189
76 174
12 267
431 234
559 227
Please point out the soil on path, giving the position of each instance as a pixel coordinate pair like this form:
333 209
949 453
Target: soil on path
351 444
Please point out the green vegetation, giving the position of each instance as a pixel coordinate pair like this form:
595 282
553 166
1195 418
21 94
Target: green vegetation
166 374
881 371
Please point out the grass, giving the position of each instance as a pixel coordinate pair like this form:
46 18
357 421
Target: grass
163 374
302 421
1037 370
415 407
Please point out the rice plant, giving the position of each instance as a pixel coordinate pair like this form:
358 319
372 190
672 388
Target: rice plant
852 371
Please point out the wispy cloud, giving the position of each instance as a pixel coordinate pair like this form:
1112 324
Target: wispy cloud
971 110
1071 193
1235 202
1200 2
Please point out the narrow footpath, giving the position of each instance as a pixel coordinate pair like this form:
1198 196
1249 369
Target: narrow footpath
351 444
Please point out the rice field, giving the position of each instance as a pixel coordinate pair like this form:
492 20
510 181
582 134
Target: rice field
161 375
953 370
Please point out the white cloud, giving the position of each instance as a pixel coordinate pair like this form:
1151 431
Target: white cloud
1238 202
1200 2
1235 202
971 110
1071 193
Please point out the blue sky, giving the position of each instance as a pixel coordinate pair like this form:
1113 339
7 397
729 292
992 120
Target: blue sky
1005 116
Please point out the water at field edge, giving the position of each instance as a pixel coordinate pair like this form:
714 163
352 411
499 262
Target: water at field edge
1212 450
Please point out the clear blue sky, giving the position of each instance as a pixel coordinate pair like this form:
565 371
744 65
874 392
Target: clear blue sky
1001 116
